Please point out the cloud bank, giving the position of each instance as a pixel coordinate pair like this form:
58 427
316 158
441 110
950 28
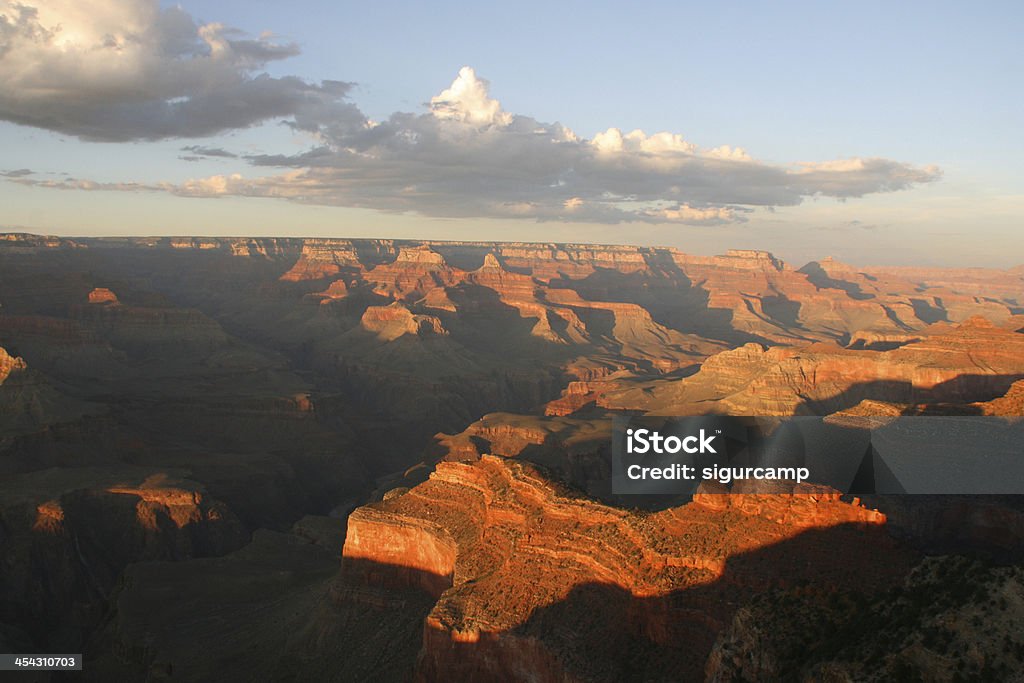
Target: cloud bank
127 70
120 70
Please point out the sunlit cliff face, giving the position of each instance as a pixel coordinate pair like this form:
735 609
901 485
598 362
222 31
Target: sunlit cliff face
49 518
504 552
9 364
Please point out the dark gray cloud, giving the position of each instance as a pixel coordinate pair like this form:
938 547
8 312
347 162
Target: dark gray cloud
201 151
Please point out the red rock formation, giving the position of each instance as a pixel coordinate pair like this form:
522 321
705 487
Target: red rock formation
879 341
395 551
547 262
394 321
511 286
415 272
247 247
337 290
26 243
200 243
323 258
766 298
9 364
515 546
594 379
1009 405
576 396
439 299
750 259
103 296
800 506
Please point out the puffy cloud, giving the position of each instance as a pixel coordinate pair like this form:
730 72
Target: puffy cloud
121 70
687 214
468 100
466 156
612 141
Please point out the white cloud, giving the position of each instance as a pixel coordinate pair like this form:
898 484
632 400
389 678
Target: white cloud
467 100
128 70
612 141
467 157
687 214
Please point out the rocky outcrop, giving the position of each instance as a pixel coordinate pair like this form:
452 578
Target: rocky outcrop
880 341
26 243
394 321
9 364
414 272
751 259
103 296
264 248
323 258
524 556
336 290
1011 404
548 262
575 397
574 449
383 549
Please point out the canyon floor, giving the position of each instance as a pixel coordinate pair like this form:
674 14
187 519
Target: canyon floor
265 459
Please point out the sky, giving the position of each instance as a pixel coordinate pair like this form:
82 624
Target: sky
877 133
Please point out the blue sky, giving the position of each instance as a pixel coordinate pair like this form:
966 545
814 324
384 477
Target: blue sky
930 94
804 79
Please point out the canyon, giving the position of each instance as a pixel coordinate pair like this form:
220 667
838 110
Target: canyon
390 460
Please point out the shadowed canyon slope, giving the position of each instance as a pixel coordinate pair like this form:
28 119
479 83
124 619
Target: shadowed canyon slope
215 418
